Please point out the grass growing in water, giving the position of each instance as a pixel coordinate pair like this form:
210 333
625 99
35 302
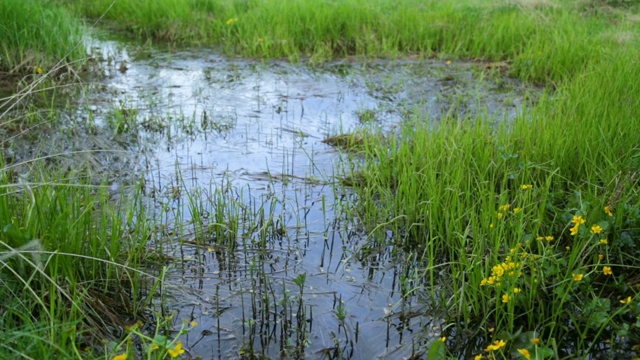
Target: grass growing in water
535 221
490 206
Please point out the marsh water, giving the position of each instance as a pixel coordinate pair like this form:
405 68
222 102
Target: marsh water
261 247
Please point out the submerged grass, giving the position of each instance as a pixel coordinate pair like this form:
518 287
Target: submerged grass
533 224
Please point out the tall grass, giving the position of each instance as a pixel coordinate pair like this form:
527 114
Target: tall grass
37 34
502 210
545 43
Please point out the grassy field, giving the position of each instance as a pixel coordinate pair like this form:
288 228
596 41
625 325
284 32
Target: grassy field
528 231
38 37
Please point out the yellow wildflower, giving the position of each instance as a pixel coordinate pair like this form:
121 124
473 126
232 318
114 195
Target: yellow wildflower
39 70
607 209
601 256
526 187
540 238
516 290
525 353
504 207
484 282
535 341
578 277
578 220
491 226
231 21
120 357
596 229
496 345
448 62
505 298
626 301
478 357
607 270
443 339
500 215
176 351
574 229
193 323
604 241
549 238
517 210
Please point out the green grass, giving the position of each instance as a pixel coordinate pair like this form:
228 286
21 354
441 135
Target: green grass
480 204
68 267
544 43
453 193
37 34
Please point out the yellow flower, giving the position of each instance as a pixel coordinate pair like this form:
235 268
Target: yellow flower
505 298
231 21
525 353
176 351
496 345
120 357
478 357
448 62
601 256
491 226
607 270
500 215
578 277
604 241
540 238
517 210
548 238
578 220
484 282
596 229
504 207
607 209
443 339
574 230
39 70
526 187
626 301
535 341
193 323
516 290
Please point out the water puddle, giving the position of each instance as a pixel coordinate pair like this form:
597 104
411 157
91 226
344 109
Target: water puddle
264 254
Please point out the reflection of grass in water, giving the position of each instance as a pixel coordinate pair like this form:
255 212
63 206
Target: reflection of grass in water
493 212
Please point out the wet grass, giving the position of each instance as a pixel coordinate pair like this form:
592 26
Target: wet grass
533 224
526 232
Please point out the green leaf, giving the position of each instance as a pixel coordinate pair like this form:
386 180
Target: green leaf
437 351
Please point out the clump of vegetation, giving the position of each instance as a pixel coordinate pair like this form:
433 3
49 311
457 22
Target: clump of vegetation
535 221
38 36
